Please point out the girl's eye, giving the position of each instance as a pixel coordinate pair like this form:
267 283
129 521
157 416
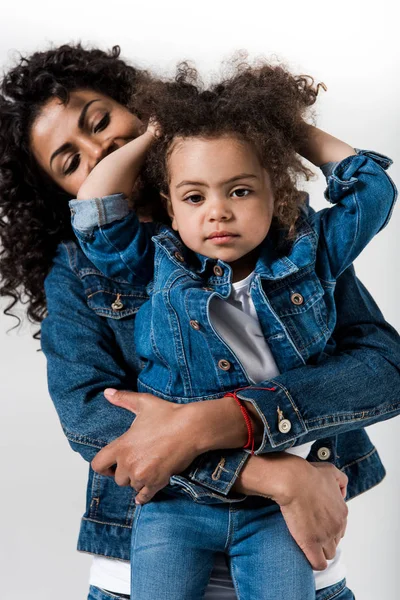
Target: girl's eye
73 164
194 199
241 192
102 124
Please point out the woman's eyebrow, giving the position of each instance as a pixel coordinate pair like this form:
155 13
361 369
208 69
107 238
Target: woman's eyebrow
81 123
82 116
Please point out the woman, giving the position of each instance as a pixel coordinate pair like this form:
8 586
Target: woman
60 113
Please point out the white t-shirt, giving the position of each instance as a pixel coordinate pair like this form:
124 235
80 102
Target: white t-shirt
236 322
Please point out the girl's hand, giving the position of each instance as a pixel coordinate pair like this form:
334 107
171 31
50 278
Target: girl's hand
154 127
311 498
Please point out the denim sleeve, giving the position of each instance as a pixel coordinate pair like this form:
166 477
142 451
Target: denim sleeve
356 385
82 360
113 238
363 196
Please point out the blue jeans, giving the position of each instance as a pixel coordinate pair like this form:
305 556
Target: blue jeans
174 542
339 591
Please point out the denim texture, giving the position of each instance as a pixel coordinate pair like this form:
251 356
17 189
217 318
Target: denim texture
89 345
182 537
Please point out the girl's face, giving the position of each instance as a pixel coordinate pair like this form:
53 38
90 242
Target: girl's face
68 140
221 201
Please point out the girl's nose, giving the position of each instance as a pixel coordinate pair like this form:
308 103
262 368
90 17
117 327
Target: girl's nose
219 210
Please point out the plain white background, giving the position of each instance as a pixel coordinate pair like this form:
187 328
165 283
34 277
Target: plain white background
352 47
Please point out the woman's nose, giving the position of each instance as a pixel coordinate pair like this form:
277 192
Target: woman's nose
96 149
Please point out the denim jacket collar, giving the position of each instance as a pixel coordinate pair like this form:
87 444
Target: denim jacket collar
270 265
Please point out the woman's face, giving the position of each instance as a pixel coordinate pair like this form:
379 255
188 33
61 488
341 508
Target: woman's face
68 140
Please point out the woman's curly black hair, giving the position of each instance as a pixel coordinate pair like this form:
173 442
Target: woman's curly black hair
34 215
263 104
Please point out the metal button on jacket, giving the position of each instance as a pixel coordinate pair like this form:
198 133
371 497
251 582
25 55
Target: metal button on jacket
117 304
218 271
324 453
284 426
297 298
179 257
223 364
194 324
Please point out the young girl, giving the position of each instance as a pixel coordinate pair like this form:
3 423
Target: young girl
244 292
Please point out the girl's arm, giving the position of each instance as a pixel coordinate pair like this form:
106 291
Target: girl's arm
320 147
362 194
117 172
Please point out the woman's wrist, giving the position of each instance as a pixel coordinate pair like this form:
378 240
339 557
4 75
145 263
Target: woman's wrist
274 476
217 424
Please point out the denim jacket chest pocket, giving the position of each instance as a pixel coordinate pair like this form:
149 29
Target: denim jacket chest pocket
111 298
299 301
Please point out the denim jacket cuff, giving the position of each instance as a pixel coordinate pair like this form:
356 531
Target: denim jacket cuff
218 470
342 176
283 423
97 212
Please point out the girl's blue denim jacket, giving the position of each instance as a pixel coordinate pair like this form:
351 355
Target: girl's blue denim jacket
89 343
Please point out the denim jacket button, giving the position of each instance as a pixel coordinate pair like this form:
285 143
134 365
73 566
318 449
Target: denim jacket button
117 304
297 298
223 364
324 453
194 324
218 271
284 426
179 257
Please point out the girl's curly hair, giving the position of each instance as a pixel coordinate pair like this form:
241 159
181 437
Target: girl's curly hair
264 105
34 215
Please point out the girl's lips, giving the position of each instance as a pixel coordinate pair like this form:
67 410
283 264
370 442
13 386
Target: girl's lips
222 237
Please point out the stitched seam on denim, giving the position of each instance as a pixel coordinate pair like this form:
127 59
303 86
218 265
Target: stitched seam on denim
130 514
109 594
105 523
181 399
338 418
71 261
358 460
113 293
336 593
263 295
100 554
178 343
95 501
84 439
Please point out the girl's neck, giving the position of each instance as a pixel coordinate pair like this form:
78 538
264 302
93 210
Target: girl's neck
245 265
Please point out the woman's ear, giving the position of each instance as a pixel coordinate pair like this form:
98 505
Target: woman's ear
168 205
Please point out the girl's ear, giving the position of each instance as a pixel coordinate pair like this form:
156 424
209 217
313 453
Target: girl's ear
168 205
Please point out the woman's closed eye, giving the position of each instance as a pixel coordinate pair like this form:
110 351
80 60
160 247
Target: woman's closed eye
72 165
102 124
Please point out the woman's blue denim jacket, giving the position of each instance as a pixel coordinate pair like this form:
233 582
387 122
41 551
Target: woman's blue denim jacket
88 338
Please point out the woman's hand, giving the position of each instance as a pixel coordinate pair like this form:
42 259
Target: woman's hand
311 498
144 457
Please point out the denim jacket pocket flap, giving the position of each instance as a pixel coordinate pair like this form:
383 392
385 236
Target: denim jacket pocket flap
113 299
297 296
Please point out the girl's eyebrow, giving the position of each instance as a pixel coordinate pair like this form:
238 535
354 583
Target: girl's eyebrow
81 123
236 178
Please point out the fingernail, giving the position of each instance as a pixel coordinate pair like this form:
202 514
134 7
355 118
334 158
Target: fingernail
109 392
137 502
